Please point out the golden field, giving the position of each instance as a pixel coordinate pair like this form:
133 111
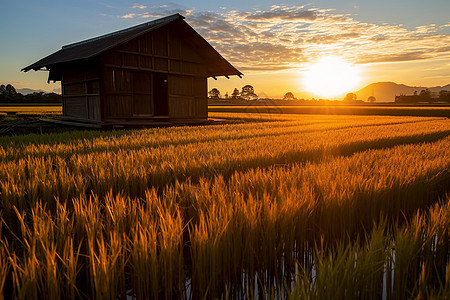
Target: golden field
267 205
31 109
339 108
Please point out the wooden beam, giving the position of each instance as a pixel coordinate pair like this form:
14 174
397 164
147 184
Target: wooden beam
116 67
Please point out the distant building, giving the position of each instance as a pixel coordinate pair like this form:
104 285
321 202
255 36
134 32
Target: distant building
425 96
408 99
419 99
154 71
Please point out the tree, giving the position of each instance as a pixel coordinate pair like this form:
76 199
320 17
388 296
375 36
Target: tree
235 94
425 94
350 97
289 96
443 94
10 90
371 99
248 93
214 93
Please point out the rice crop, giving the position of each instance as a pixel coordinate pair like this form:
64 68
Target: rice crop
267 206
32 109
337 109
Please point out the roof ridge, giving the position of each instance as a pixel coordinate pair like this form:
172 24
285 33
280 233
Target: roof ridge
144 25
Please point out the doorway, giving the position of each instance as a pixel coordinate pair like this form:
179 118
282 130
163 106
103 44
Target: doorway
160 95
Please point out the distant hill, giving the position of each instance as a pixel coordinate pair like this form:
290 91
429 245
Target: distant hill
386 91
27 91
28 96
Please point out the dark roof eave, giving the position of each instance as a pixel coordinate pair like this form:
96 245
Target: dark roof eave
47 67
38 66
223 69
225 75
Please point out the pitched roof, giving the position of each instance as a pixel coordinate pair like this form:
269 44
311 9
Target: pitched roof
216 64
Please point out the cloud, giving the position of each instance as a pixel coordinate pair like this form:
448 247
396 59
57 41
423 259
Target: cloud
284 37
270 56
128 16
15 83
426 29
396 58
283 14
139 6
445 49
149 15
329 39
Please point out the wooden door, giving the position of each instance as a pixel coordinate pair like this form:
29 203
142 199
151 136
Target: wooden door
160 95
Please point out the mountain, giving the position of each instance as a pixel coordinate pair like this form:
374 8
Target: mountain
386 91
26 91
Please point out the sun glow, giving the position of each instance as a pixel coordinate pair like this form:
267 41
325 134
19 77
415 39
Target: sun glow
331 76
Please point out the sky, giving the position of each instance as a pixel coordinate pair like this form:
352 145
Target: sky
273 43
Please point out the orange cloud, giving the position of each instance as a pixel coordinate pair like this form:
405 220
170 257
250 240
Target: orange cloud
140 6
128 16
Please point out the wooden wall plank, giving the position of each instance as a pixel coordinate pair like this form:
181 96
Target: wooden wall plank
142 82
142 105
160 46
161 64
112 58
189 54
145 44
174 45
117 80
76 107
200 87
72 89
180 85
131 60
118 106
145 62
93 87
94 108
201 107
174 66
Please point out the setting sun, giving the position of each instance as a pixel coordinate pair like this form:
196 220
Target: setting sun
331 76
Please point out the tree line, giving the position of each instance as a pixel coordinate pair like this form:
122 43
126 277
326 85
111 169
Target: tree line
247 93
9 94
425 96
443 95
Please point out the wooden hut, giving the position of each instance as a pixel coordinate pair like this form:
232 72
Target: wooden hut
150 72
